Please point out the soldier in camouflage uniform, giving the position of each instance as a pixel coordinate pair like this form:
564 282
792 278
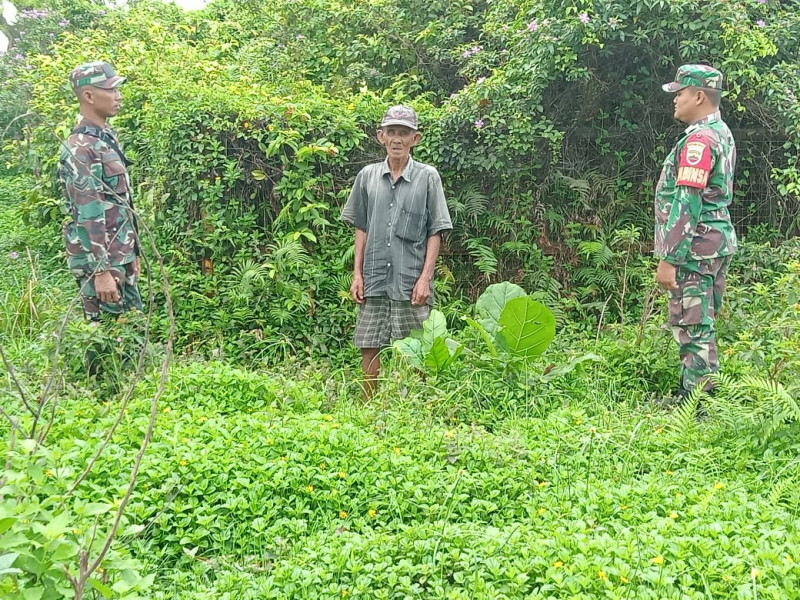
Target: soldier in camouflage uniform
101 238
694 236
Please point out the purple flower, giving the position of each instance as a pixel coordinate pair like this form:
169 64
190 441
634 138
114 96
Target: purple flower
479 123
453 94
584 18
476 49
13 255
761 22
63 23
480 80
533 25
467 54
762 1
119 339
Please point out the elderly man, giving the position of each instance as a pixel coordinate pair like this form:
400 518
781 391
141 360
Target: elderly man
101 239
399 211
694 236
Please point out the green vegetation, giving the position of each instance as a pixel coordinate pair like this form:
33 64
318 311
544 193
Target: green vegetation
514 448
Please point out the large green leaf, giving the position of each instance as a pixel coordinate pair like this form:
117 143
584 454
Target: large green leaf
528 327
411 349
492 302
434 327
442 354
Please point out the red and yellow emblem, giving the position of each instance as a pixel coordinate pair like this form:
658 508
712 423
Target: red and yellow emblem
694 166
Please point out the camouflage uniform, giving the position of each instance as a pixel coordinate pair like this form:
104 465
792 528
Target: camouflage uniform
100 234
693 228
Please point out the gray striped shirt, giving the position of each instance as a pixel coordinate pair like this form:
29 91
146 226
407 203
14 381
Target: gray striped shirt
399 217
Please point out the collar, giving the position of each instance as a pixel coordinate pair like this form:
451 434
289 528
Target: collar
406 174
709 118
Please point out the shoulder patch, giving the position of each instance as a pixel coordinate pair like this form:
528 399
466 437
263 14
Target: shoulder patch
694 164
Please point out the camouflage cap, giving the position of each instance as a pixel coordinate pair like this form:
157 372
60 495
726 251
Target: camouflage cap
400 115
696 75
98 74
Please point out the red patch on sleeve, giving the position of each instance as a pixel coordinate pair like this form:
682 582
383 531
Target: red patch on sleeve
694 166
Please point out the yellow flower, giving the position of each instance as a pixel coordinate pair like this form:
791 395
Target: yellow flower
184 439
726 578
659 430
754 573
788 558
623 579
673 515
76 531
328 417
342 475
182 463
542 511
624 507
578 422
351 106
49 473
342 514
344 593
678 495
543 484
718 486
396 450
270 127
203 419
335 425
323 466
166 409
658 560
670 472
592 429
448 434
283 458
245 124
602 575
309 488
372 512
558 564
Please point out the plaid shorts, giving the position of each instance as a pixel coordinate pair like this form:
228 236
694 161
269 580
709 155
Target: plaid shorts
381 320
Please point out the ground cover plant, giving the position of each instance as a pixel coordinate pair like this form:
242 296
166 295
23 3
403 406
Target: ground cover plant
515 448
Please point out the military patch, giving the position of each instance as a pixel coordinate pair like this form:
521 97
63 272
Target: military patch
694 166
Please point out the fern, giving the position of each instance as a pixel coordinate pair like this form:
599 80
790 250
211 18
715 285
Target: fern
683 423
485 259
470 202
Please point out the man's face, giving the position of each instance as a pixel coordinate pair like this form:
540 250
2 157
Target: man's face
398 140
685 103
106 103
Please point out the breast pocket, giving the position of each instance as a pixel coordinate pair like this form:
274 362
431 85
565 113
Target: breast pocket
412 225
114 176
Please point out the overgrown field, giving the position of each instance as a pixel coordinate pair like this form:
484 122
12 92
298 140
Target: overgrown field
486 480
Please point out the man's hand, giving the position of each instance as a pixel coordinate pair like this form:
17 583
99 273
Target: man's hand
105 286
137 266
665 275
421 291
357 289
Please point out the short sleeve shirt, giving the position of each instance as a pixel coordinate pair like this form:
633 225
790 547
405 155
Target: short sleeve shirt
398 217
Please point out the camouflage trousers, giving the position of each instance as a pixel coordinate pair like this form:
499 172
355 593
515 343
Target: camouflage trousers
129 296
693 309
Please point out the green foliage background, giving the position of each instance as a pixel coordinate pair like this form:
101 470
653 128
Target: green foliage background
249 120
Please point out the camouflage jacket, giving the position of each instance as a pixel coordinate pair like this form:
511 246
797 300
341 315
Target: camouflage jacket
101 229
693 194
